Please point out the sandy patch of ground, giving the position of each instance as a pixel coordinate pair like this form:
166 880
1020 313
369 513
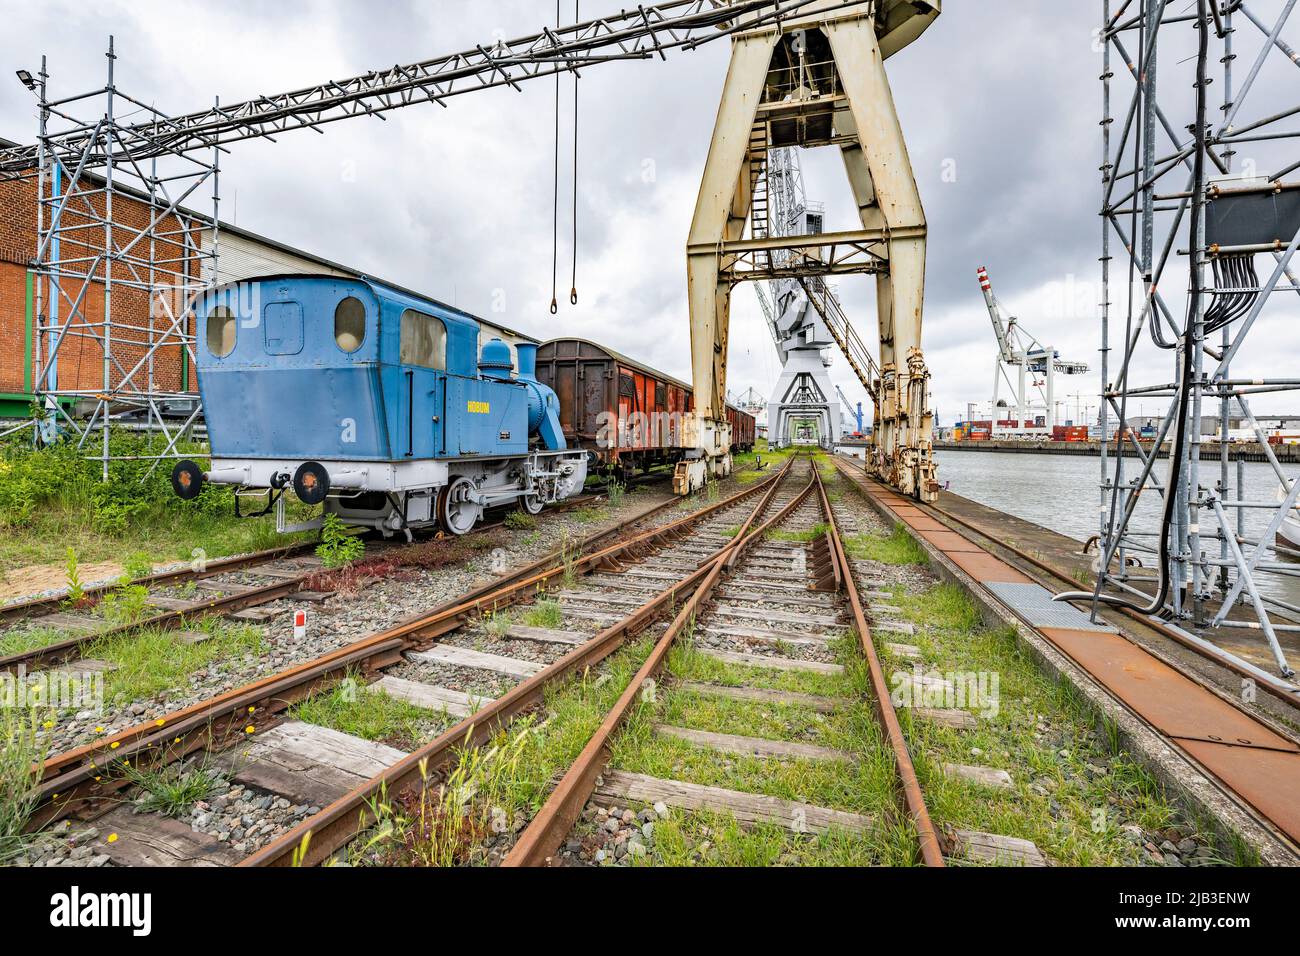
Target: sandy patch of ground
41 578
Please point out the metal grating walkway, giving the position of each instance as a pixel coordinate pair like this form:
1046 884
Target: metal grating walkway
1034 603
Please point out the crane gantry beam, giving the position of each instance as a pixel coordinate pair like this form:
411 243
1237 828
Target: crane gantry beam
644 32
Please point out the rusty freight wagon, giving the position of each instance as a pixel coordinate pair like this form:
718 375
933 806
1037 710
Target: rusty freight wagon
626 415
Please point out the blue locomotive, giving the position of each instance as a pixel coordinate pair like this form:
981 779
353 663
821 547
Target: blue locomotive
374 403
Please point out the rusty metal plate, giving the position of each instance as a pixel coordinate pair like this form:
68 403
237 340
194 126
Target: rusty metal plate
987 569
950 542
1174 704
1266 779
924 522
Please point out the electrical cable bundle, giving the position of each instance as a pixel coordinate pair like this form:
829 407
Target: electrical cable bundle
1237 274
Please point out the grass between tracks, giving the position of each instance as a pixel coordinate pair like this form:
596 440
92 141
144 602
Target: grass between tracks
898 547
150 663
808 534
372 715
745 466
1074 789
864 786
489 792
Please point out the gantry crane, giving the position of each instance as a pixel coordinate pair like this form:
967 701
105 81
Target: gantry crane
1019 349
803 398
803 72
816 78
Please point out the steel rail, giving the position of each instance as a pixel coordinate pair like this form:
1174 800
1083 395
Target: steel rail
85 773
39 606
35 607
547 830
1237 793
61 651
914 800
316 838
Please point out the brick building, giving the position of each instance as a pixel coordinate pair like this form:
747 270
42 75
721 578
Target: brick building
243 255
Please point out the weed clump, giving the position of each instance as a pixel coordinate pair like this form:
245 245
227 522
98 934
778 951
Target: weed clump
337 547
173 790
21 759
520 521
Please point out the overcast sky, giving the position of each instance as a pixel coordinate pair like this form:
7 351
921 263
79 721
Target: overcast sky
999 101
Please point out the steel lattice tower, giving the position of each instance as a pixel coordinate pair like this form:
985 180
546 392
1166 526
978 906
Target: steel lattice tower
1194 177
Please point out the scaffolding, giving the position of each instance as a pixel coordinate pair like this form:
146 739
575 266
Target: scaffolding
119 263
1185 188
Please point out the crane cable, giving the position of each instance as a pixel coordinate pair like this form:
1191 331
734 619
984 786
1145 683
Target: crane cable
555 180
555 183
573 285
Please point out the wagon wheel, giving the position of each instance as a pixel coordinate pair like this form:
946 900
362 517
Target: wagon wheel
457 511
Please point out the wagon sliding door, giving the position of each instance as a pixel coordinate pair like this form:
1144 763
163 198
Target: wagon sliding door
594 378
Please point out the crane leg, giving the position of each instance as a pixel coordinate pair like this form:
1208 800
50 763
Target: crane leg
720 214
889 205
884 186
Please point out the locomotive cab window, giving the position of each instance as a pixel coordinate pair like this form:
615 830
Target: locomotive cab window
221 331
424 340
350 324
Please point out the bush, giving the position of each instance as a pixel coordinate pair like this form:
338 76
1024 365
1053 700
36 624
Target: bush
61 477
520 521
137 565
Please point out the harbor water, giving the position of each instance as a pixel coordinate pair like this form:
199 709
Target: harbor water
1061 492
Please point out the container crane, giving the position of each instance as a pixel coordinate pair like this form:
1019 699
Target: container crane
851 407
1020 350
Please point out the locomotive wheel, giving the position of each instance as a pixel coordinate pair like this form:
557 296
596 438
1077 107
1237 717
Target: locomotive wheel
457 513
532 504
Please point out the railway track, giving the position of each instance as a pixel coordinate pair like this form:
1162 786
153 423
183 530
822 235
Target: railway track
302 766
785 563
242 588
713 676
802 584
1250 763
